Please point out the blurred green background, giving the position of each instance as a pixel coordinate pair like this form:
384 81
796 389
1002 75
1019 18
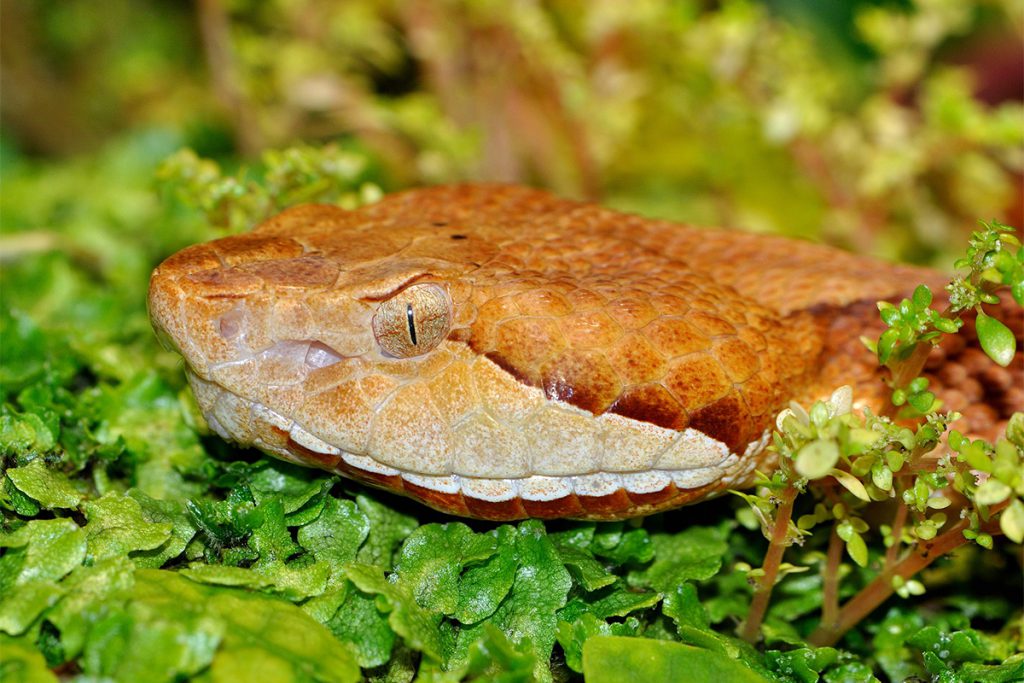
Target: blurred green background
884 127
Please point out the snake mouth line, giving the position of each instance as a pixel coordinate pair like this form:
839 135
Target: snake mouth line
248 422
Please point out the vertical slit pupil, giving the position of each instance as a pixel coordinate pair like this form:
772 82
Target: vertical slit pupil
410 318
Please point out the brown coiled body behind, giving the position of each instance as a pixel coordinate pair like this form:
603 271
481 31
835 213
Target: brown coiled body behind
580 362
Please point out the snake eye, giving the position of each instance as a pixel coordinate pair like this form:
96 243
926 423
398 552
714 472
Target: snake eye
413 321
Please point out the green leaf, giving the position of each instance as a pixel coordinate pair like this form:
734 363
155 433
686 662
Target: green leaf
992 492
895 460
22 604
485 585
572 636
530 609
335 535
223 575
996 339
694 628
143 417
45 549
1010 670
432 559
922 297
52 489
605 658
271 539
957 646
296 581
176 628
24 433
87 590
881 475
851 484
292 486
388 528
888 312
227 523
163 512
22 662
118 526
922 402
815 459
862 439
803 664
416 625
896 660
683 607
855 545
590 573
612 601
357 621
39 554
1015 428
887 344
692 554
494 657
613 541
947 325
1011 521
29 355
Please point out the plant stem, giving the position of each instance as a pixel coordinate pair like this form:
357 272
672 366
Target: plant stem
881 588
751 628
215 30
830 579
905 371
911 367
897 535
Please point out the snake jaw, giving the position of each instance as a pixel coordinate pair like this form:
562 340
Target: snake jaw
598 495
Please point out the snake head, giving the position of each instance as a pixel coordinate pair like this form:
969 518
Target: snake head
495 352
306 275
312 321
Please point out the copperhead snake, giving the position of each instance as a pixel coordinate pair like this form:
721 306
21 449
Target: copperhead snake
497 352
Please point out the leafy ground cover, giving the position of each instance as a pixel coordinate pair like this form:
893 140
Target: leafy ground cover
136 546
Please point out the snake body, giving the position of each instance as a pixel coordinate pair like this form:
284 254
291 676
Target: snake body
497 352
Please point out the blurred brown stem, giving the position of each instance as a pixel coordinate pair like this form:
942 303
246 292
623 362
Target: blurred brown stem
34 103
871 215
484 79
216 34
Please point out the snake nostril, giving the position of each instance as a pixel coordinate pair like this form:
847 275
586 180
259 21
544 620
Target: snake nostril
321 355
